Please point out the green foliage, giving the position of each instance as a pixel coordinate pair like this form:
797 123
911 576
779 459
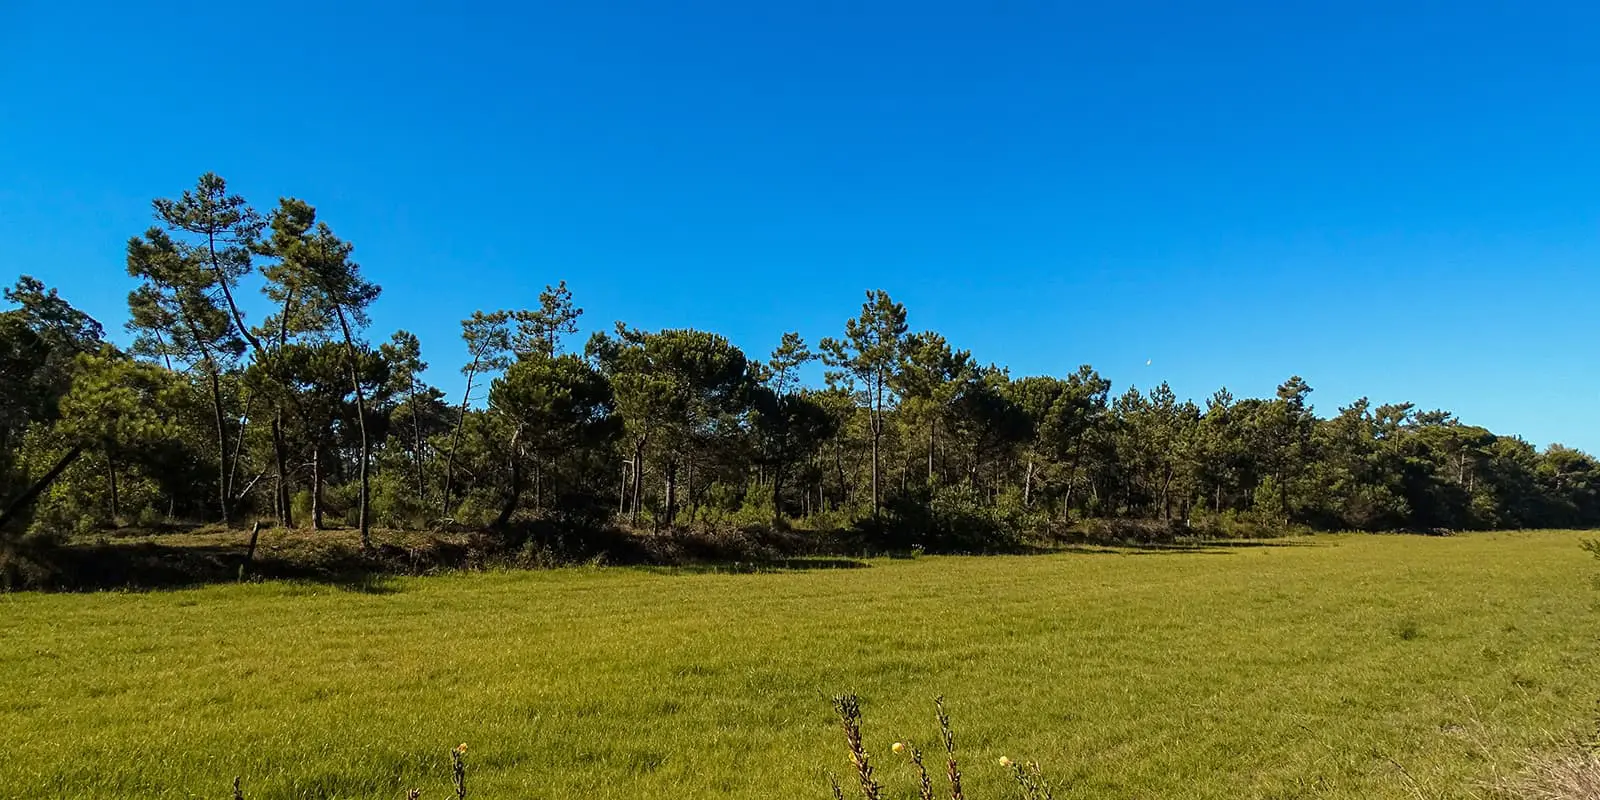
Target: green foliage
539 332
682 395
557 409
39 340
866 362
222 421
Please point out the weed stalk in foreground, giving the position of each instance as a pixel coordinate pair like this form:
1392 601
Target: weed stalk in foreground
849 709
949 736
458 773
924 784
1029 778
833 780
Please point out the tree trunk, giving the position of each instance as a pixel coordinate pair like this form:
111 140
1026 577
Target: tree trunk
166 358
233 461
876 435
111 481
672 489
622 490
455 438
214 380
286 516
688 489
279 446
285 510
316 488
366 441
416 450
18 505
1027 486
245 492
1166 502
224 486
838 464
366 469
638 479
227 293
777 494
250 552
1283 496
1072 481
514 492
933 427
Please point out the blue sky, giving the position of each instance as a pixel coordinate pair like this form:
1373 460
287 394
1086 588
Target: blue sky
1398 200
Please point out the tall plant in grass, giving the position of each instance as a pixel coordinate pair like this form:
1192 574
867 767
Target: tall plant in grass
1029 778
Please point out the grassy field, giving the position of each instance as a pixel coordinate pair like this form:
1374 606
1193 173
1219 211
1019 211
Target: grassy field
1339 666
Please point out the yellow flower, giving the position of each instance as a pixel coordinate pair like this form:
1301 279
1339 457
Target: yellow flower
1005 762
898 747
461 748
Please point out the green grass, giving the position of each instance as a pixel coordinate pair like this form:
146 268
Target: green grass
1305 670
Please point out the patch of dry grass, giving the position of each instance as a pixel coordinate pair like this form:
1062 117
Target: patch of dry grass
1573 775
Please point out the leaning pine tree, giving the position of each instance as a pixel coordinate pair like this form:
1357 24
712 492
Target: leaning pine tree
336 301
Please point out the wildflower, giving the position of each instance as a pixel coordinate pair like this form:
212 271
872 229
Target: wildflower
898 747
462 748
1005 762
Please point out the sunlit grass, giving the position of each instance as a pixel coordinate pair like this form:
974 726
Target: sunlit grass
1340 666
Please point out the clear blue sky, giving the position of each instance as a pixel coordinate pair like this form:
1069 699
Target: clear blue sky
1392 199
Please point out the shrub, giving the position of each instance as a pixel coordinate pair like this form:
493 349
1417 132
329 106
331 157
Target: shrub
300 505
830 520
394 502
947 519
1233 524
25 562
1134 531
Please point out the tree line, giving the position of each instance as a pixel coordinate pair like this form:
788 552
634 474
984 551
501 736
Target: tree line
308 417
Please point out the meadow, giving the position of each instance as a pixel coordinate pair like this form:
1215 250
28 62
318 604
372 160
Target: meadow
1337 666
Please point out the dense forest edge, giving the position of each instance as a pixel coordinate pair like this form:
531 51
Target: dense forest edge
254 393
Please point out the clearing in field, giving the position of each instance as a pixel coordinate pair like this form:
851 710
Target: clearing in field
1337 666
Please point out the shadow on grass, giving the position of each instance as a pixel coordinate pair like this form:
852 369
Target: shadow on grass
184 559
1214 547
1250 543
759 567
153 566
1139 550
370 584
